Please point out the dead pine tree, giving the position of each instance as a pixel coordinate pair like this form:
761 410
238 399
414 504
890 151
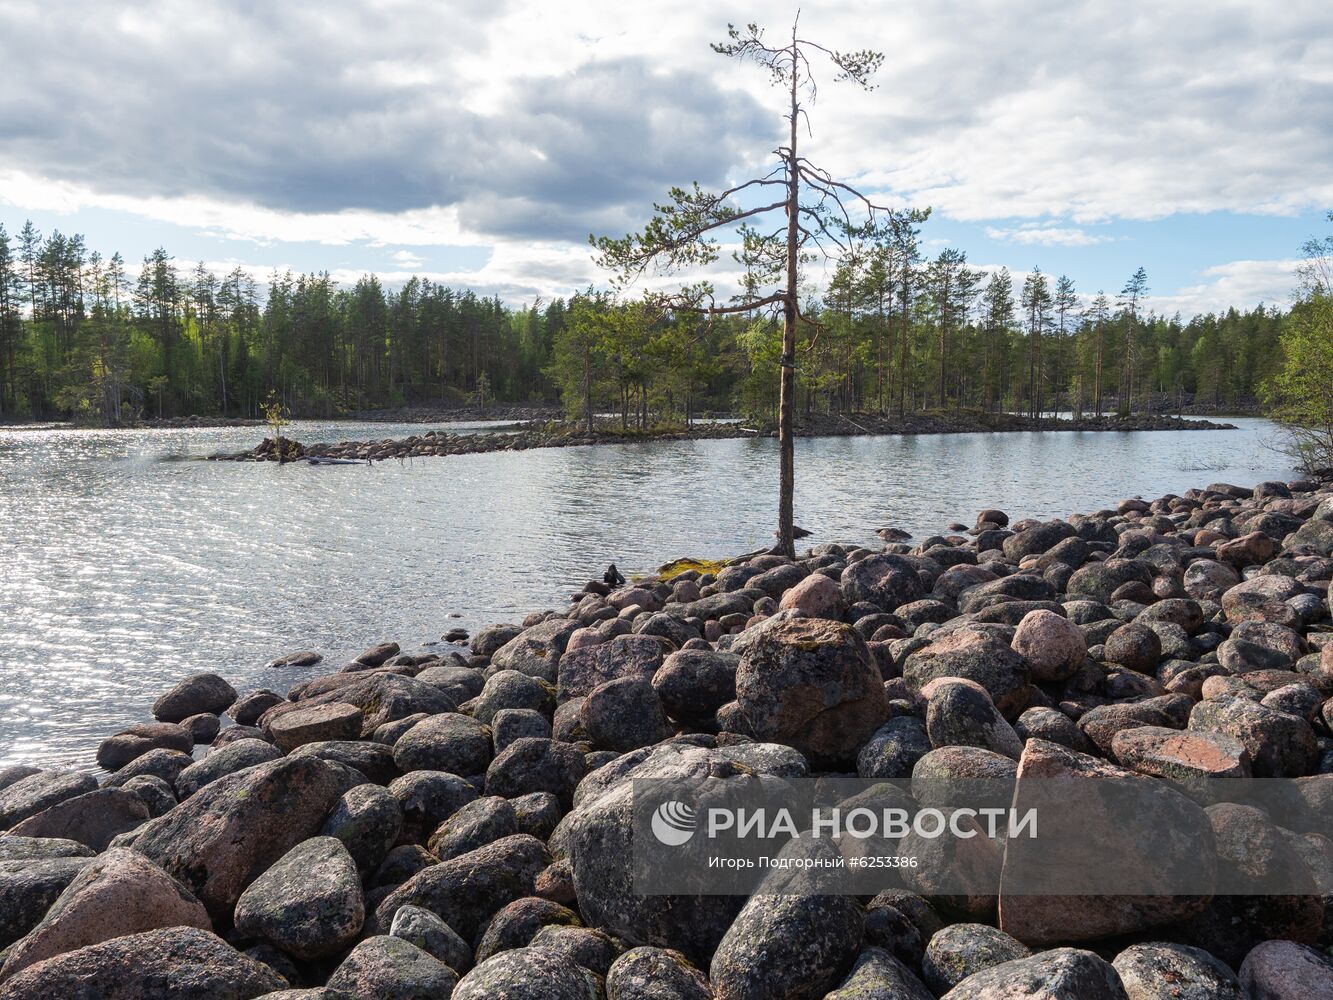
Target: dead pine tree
818 213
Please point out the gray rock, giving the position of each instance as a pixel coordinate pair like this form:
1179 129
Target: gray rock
224 761
893 750
787 947
513 689
308 904
536 651
176 963
528 972
590 948
203 727
1054 727
976 656
118 893
246 710
467 891
117 751
624 714
515 925
475 825
389 968
1280 745
962 950
962 714
367 820
1177 971
694 683
456 744
224 836
598 840
885 581
511 724
810 683
433 936
315 723
94 818
880 976
583 669
1059 974
40 848
153 792
536 765
427 799
649 973
1285 970
198 693
28 887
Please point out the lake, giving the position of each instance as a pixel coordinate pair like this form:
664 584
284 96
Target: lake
125 568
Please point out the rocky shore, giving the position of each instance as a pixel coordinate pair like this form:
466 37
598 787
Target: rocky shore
427 824
558 434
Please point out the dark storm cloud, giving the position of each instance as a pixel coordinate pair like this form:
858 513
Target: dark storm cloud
319 108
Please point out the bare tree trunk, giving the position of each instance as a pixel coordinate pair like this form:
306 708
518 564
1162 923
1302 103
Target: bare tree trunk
787 386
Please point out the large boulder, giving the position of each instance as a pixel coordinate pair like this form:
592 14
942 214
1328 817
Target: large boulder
457 744
28 887
1285 970
878 974
787 947
384 967
597 837
528 972
199 693
1264 599
816 595
583 669
1054 646
1037 539
36 793
1074 794
367 819
960 713
884 580
119 892
223 761
1059 974
224 836
649 973
94 818
624 714
962 950
466 891
315 724
694 683
175 963
810 683
973 655
1155 970
536 651
308 904
129 744
1279 744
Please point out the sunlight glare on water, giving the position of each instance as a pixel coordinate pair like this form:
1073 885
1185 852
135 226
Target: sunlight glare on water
123 571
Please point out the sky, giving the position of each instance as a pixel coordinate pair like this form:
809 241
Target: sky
479 142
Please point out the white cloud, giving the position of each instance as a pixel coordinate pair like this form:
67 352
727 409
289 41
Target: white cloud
1036 234
1242 284
409 260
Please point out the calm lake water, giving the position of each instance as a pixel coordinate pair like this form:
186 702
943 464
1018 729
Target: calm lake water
122 570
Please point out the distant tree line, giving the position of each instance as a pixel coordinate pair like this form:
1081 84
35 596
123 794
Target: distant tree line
893 332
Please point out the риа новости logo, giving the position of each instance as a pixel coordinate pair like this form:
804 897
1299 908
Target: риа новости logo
673 823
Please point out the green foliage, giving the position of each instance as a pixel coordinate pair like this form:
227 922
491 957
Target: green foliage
1300 392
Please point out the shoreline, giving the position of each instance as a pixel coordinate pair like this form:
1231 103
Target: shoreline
564 435
1170 643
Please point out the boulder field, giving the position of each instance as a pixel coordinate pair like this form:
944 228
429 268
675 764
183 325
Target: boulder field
433 824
